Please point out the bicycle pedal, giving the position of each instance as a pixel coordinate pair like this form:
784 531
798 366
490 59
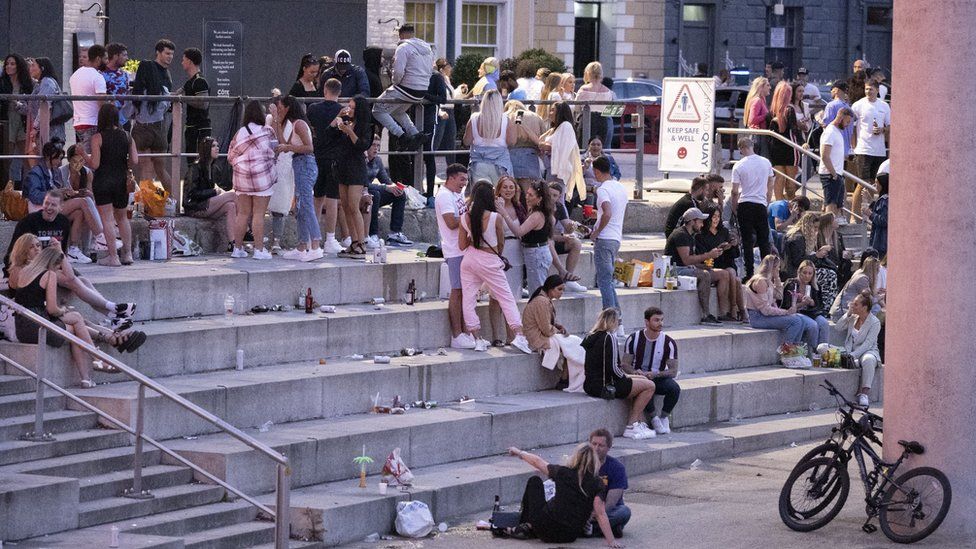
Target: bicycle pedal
869 528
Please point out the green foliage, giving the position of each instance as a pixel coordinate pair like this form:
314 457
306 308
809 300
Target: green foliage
542 58
466 65
466 69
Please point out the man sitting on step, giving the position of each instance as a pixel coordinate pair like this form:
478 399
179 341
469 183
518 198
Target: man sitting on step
651 353
614 477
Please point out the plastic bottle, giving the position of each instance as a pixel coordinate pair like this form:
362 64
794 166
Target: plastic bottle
382 251
228 305
114 537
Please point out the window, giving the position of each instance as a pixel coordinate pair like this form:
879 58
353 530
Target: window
479 29
784 38
696 13
879 16
422 16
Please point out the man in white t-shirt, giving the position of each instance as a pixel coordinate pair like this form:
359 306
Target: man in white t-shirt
873 125
88 81
832 154
810 91
611 204
752 189
449 206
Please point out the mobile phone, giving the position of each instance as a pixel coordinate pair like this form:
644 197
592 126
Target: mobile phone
518 117
45 241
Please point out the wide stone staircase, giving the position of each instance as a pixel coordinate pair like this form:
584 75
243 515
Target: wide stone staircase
304 393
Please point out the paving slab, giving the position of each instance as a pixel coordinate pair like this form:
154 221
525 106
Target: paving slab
24 499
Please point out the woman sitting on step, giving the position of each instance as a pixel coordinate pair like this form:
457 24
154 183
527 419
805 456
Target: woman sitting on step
550 338
28 246
763 291
861 341
579 493
37 290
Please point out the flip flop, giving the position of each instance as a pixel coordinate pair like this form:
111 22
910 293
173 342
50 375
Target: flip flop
132 342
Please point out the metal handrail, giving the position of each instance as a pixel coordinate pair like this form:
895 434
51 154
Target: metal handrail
808 189
796 147
280 514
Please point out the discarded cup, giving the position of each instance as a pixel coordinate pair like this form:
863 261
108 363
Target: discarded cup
442 527
696 464
240 359
114 537
372 537
265 427
383 486
381 359
321 362
327 308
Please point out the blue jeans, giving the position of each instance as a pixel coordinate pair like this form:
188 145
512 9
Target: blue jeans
306 173
618 517
383 197
791 326
537 263
816 331
604 254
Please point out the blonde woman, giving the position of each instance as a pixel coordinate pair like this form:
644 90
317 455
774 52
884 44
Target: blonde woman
594 90
567 87
602 367
762 295
861 340
805 292
525 152
550 92
756 112
864 279
578 489
488 74
834 268
801 243
489 135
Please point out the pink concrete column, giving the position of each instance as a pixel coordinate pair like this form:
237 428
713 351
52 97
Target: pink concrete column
930 373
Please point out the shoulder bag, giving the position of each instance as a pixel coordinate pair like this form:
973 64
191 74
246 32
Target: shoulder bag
609 390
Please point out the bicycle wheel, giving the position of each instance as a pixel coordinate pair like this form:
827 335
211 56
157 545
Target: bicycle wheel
915 505
813 494
829 449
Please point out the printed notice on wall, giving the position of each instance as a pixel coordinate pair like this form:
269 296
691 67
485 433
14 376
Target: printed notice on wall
223 57
687 125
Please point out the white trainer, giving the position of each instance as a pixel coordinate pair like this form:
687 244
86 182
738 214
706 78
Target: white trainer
481 345
661 425
575 287
634 431
372 242
293 255
863 400
648 432
238 253
332 246
463 340
312 255
346 242
522 344
261 254
75 255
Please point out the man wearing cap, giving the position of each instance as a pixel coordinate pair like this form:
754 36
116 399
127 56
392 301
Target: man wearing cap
810 91
752 190
681 247
353 77
413 62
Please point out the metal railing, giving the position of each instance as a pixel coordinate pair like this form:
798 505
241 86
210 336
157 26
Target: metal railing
805 189
281 513
178 102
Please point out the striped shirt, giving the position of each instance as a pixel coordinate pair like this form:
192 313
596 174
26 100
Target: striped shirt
642 349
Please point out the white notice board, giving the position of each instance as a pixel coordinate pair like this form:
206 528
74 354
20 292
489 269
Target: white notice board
687 125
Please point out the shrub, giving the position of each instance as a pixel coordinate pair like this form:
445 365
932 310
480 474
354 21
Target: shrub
466 69
542 58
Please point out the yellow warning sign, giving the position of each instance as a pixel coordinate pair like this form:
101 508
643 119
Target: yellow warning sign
683 109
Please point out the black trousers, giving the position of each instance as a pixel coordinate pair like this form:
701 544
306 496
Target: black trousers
668 387
536 513
754 227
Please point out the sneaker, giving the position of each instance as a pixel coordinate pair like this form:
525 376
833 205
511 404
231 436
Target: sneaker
119 324
238 253
711 320
576 287
648 432
372 242
481 345
293 254
262 254
100 245
125 310
312 255
463 341
331 247
346 242
863 400
398 238
522 344
634 431
276 248
661 426
430 202
525 293
75 255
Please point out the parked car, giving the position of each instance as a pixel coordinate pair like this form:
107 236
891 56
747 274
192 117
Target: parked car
634 89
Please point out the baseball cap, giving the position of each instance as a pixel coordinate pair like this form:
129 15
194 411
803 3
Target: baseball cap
802 70
342 56
840 85
693 213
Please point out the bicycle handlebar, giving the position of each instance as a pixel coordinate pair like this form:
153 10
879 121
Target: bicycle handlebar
837 394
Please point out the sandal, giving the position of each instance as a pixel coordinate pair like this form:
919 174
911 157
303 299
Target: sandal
133 340
100 366
570 277
87 384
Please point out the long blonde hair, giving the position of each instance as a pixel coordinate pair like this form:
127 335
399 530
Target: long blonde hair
593 72
491 114
584 460
757 84
767 268
49 259
808 226
870 268
21 249
553 82
608 321
803 265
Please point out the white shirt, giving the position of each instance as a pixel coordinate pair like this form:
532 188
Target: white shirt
885 167
86 81
811 91
449 202
533 88
832 136
868 114
752 174
615 194
882 91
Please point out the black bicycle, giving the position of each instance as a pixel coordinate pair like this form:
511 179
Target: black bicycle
909 507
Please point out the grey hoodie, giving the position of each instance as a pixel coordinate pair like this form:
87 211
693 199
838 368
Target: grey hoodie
413 63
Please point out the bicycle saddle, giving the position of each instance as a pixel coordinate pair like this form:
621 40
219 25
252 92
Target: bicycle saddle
912 446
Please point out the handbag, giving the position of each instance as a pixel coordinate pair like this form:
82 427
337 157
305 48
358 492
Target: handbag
61 111
506 265
503 520
609 390
847 361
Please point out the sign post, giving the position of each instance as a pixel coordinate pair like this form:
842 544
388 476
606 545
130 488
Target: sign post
223 55
687 125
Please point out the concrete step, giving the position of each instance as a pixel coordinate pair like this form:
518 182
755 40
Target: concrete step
110 485
340 512
86 464
298 391
13 384
23 403
245 534
74 442
106 510
492 424
185 521
57 422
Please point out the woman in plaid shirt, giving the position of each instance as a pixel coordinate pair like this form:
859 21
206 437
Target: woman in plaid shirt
252 154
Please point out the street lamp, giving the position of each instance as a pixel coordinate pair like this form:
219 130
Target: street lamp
99 15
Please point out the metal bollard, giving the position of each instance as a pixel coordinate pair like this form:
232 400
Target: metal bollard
136 491
38 434
637 122
283 507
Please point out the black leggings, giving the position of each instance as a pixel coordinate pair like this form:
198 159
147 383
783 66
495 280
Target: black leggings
536 513
754 227
668 387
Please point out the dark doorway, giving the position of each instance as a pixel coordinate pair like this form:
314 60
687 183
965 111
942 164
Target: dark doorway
697 44
586 45
877 37
784 38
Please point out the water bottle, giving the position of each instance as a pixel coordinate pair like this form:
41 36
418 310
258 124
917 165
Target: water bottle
382 251
228 305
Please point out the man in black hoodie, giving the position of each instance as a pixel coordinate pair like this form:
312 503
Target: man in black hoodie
353 78
373 62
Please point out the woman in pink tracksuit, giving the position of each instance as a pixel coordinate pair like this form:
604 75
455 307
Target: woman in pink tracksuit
480 239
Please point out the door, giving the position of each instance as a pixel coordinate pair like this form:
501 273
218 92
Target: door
877 37
697 44
586 45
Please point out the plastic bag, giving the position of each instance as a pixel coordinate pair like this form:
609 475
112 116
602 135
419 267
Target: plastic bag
13 203
152 197
415 200
413 519
396 468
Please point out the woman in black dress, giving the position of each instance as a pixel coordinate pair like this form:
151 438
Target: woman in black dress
579 493
713 235
113 154
308 75
784 157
